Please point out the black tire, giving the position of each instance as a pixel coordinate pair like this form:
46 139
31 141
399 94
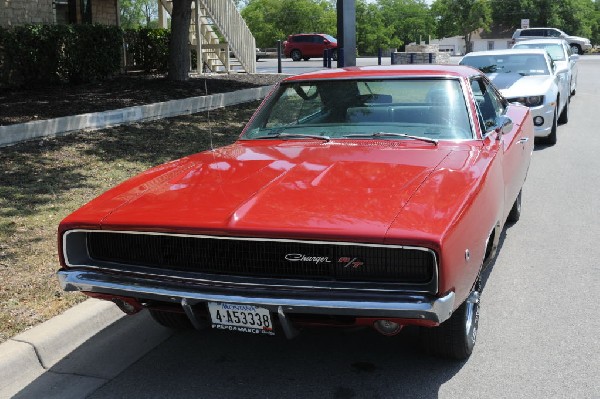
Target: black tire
515 212
176 321
296 55
564 115
456 337
551 139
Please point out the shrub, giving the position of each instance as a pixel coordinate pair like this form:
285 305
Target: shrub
147 49
46 54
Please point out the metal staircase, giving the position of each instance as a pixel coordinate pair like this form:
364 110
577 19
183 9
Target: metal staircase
217 30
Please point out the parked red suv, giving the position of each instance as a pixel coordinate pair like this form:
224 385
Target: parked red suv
307 45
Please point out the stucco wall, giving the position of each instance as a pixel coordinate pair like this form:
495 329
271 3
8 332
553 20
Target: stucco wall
19 12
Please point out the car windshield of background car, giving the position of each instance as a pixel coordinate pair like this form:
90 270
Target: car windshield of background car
330 38
429 108
522 64
556 51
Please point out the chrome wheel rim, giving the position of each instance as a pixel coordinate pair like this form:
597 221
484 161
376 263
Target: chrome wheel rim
472 318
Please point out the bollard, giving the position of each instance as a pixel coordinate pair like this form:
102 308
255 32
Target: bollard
278 56
325 56
379 54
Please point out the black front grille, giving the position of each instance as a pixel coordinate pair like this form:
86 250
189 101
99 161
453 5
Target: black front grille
264 258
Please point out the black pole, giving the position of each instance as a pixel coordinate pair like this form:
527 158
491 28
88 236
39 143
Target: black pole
379 56
278 56
325 56
346 32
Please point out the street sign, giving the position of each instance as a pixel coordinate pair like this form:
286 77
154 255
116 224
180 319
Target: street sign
524 23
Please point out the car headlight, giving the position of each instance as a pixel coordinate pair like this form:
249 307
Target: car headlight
531 101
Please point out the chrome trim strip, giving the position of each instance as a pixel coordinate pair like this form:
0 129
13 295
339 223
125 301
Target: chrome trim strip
410 306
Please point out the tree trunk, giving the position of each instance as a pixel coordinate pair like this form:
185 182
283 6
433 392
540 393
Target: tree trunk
179 49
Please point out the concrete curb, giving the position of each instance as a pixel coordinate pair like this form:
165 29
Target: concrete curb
76 352
13 134
28 355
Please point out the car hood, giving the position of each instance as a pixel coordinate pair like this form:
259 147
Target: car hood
307 190
515 85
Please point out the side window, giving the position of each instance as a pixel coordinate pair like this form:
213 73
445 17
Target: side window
318 39
489 105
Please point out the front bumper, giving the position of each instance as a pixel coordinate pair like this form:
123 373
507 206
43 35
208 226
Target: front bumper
546 111
403 306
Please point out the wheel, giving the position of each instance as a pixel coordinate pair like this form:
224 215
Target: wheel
334 55
551 139
176 321
296 55
564 115
576 49
455 338
306 58
515 212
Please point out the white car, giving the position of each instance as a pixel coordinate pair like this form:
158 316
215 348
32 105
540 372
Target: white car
529 77
578 45
561 54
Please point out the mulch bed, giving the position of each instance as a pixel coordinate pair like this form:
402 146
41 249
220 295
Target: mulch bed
29 104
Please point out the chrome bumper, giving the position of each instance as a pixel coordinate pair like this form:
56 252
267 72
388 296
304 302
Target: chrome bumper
406 306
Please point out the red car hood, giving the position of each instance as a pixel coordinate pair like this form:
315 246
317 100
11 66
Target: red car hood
292 189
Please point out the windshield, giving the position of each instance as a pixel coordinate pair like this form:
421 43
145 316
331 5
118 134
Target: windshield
556 51
330 38
523 64
431 108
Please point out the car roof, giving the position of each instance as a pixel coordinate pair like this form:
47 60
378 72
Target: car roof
508 52
542 41
389 71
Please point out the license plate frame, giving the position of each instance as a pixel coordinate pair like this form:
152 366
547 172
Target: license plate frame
240 317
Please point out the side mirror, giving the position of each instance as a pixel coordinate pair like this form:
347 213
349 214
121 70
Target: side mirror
326 41
503 125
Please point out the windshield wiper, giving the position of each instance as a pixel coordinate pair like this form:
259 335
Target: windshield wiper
292 136
387 134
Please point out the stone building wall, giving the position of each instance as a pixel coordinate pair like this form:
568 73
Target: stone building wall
19 12
104 12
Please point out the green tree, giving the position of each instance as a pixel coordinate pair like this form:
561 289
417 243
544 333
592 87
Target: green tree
576 17
411 20
272 20
372 32
139 13
462 17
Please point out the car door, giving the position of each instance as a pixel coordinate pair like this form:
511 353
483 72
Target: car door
572 60
516 145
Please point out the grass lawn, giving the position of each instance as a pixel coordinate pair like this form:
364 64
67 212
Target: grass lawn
42 181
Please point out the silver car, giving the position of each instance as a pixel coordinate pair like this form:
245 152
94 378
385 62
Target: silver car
530 77
561 54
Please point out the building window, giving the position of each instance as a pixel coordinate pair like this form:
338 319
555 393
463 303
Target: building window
61 9
490 45
85 8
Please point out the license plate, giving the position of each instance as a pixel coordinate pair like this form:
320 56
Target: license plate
237 317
